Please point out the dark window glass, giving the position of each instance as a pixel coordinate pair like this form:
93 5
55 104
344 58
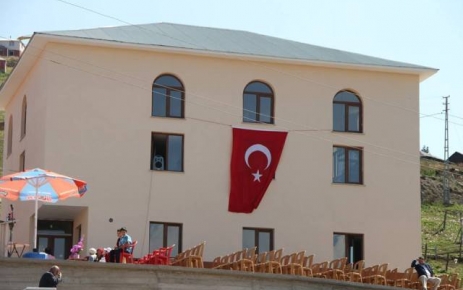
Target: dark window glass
348 245
265 106
250 107
168 97
163 235
339 174
338 117
260 238
347 165
24 118
166 152
10 137
159 102
175 103
258 103
354 119
354 166
22 161
347 112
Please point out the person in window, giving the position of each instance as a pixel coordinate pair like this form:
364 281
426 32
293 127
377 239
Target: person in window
124 239
51 278
425 273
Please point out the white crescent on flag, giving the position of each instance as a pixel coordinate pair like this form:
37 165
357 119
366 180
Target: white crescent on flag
261 148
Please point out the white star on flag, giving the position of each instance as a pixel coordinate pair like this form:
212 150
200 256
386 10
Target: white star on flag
257 176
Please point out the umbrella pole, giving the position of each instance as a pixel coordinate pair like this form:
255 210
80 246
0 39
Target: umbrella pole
35 216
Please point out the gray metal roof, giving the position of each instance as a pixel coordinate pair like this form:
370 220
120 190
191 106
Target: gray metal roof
226 41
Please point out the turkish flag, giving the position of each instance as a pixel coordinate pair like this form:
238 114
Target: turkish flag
254 160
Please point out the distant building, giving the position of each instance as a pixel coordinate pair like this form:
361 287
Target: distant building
426 155
2 65
456 157
11 47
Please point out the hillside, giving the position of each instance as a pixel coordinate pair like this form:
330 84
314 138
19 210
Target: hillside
442 225
432 182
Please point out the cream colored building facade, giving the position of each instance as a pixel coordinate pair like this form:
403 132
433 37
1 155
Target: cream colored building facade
81 105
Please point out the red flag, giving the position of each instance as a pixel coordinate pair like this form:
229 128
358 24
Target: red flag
254 160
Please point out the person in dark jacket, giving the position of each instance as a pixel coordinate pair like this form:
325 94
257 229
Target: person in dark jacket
51 278
425 273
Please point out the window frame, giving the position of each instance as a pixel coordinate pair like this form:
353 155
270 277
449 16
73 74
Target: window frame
168 97
259 96
256 237
166 158
346 164
165 237
9 149
22 161
347 105
23 117
349 238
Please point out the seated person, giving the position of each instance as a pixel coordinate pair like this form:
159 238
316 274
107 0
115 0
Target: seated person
425 273
123 239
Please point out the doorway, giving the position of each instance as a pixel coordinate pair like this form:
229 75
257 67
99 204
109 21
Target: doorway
56 236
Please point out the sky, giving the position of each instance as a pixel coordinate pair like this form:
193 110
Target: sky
423 32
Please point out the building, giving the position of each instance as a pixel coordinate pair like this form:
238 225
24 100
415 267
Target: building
2 65
144 114
11 47
456 157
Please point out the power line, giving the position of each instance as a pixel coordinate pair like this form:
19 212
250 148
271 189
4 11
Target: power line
305 79
229 113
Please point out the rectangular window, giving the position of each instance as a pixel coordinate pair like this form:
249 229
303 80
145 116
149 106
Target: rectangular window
347 165
166 152
22 161
260 238
164 235
348 245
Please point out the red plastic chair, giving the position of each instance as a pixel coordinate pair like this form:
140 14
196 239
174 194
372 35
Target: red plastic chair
128 256
162 256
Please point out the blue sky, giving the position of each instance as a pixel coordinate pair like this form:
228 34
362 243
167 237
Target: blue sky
424 32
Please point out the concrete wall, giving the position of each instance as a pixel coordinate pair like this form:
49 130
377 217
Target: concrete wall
21 273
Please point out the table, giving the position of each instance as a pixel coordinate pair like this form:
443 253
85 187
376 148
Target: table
13 248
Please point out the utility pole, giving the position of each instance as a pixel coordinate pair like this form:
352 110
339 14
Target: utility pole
446 154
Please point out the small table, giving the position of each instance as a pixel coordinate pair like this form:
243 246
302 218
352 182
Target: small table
13 248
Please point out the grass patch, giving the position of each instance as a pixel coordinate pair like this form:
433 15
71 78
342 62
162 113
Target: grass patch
441 235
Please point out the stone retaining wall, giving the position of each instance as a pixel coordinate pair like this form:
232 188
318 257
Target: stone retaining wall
17 274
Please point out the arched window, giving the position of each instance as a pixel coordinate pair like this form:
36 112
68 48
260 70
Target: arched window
347 112
258 102
23 117
168 97
10 136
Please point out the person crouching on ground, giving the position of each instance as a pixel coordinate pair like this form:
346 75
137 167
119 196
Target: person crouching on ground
51 278
425 274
